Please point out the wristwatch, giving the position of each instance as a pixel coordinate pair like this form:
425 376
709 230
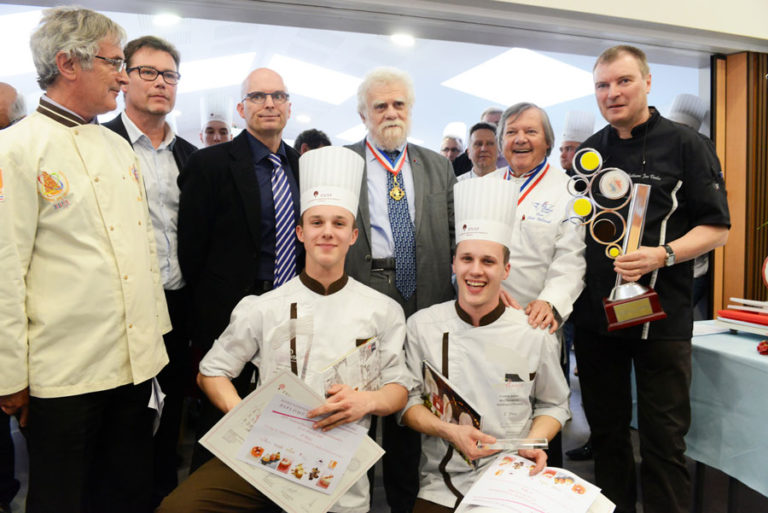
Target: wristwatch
670 259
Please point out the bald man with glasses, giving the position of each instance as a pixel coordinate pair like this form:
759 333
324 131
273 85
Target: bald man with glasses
236 200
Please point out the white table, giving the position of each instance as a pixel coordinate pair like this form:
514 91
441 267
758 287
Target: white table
729 407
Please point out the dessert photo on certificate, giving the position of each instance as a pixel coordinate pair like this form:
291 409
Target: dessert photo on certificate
283 442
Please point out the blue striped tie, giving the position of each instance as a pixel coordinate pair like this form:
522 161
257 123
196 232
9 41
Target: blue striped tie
285 246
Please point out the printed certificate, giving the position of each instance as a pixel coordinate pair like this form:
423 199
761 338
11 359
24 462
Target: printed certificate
230 436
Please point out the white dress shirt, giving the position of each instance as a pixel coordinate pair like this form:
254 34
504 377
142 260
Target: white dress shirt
160 173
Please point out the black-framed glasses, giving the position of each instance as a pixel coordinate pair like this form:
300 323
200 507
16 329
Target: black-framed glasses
150 74
257 97
118 63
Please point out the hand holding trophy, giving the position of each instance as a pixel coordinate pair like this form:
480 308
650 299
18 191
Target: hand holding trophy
599 194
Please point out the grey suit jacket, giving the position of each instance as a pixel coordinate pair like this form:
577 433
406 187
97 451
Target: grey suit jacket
433 180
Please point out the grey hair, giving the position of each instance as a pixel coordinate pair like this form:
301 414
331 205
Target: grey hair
454 138
384 75
490 110
75 31
514 112
18 109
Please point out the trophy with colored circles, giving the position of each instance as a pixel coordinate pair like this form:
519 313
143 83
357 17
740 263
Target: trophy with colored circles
598 196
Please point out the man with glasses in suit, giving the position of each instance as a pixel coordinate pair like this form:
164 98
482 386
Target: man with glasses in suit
238 207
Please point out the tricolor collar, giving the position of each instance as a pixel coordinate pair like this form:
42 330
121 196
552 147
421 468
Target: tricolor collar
384 160
508 174
485 320
58 113
318 288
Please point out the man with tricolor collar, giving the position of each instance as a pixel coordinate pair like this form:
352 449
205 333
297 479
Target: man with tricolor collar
547 251
508 370
82 301
339 311
406 231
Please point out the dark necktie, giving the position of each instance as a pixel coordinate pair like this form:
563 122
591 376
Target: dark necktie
402 233
285 246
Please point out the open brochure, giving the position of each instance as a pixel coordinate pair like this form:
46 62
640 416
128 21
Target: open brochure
445 401
291 447
359 368
508 486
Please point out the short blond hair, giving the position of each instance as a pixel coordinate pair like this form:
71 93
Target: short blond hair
614 52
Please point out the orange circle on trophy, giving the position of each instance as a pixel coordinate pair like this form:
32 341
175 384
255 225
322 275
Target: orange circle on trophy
582 207
589 161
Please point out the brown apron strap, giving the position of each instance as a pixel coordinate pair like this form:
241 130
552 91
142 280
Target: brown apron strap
294 316
447 476
445 355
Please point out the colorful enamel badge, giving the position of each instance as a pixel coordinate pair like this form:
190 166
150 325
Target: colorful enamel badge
52 186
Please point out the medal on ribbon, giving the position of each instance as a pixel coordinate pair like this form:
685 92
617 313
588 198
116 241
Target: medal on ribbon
396 192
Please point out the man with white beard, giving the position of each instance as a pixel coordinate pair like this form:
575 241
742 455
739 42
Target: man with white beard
406 227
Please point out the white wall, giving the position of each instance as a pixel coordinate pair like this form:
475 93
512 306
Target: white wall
739 17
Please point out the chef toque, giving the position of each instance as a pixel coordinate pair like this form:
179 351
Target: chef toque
579 125
485 209
689 110
330 176
216 108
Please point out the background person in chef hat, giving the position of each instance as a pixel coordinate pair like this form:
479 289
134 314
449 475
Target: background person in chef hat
507 369
215 120
579 125
341 311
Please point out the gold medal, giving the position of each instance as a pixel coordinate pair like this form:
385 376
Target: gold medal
396 192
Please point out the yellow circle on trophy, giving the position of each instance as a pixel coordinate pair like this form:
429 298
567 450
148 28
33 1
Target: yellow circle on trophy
590 161
614 252
582 207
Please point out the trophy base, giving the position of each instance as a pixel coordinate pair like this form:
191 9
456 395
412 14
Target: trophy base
623 313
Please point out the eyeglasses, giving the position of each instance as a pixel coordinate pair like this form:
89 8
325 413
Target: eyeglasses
150 74
118 63
257 97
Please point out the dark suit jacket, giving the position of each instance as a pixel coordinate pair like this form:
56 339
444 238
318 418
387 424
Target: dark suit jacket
219 236
182 148
433 180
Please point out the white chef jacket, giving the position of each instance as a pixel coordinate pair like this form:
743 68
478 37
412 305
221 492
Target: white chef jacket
507 370
259 332
547 250
81 304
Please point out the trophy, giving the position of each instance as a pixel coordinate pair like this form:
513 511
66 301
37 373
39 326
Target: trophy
599 194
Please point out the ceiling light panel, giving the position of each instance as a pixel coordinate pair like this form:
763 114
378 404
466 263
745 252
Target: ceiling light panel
521 75
314 81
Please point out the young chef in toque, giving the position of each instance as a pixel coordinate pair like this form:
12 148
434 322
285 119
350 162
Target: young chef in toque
507 369
343 312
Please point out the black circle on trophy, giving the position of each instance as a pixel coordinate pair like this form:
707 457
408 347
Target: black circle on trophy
578 185
611 189
608 227
587 161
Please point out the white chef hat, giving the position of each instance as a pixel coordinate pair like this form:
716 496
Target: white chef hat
330 176
485 209
579 125
216 108
689 110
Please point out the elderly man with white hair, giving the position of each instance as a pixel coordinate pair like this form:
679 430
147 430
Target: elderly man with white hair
83 308
406 233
